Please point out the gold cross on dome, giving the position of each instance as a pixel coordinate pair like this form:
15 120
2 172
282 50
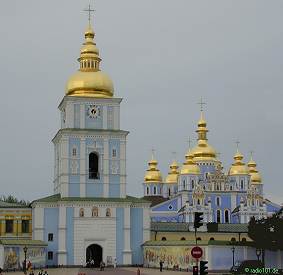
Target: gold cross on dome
152 153
251 153
190 142
89 10
201 103
237 144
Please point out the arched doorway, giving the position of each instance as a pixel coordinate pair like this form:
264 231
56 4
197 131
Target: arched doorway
94 252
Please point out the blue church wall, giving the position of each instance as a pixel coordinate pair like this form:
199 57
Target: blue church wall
94 187
93 123
114 186
114 144
77 115
70 235
170 205
137 235
51 220
74 179
206 169
119 235
271 207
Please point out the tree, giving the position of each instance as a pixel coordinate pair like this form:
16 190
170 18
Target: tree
12 199
265 232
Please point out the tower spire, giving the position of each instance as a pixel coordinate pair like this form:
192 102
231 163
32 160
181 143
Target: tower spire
89 10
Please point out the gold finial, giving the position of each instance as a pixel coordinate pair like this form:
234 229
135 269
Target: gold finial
201 103
251 154
89 10
152 153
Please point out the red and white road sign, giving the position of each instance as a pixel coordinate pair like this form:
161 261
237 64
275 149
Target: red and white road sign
196 252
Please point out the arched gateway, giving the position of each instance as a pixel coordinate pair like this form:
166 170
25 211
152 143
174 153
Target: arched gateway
94 252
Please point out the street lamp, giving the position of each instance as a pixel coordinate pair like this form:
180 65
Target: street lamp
233 250
258 253
25 261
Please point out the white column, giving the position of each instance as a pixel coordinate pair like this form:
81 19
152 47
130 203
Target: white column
82 168
127 253
38 223
123 172
105 117
116 117
70 115
64 166
106 168
62 253
82 116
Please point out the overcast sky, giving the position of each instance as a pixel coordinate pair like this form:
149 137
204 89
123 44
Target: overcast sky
162 56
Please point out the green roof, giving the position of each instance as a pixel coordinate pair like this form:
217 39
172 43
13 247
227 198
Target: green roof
170 227
22 242
58 198
4 204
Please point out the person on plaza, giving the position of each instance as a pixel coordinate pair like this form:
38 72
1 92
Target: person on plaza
161 265
115 262
92 263
102 265
1 270
40 272
45 273
31 272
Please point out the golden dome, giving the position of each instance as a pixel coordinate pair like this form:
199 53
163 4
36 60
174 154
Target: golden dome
238 167
153 175
173 174
89 81
255 175
203 151
189 166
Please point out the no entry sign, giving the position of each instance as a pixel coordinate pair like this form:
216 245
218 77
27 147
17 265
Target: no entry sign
196 252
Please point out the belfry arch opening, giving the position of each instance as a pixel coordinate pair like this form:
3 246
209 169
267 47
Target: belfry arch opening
94 255
93 163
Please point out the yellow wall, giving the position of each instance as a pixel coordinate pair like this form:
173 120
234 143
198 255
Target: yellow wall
17 215
205 236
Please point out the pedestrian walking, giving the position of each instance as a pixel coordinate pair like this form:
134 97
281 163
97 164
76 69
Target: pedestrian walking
115 262
161 265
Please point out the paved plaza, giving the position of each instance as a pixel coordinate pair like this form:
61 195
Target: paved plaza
110 271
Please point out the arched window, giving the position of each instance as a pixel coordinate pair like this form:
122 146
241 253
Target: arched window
231 187
154 190
108 212
74 152
94 212
218 216
211 239
93 165
193 184
198 238
183 239
244 239
169 192
163 239
233 239
184 184
226 216
82 212
147 190
242 184
198 201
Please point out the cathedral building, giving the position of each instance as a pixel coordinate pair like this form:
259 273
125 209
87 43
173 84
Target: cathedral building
201 185
90 216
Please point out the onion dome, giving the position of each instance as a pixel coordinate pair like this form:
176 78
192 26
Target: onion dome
203 151
89 81
238 167
189 166
153 175
173 174
255 175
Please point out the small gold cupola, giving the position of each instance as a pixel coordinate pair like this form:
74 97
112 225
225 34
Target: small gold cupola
89 81
152 175
189 166
238 167
255 175
203 151
173 174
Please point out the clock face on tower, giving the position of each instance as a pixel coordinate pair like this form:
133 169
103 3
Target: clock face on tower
93 111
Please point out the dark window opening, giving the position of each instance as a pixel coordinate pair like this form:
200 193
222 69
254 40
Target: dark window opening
218 219
163 239
183 239
50 237
25 226
233 239
211 239
198 239
9 226
244 239
93 166
50 255
226 216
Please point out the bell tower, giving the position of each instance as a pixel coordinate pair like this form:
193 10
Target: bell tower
90 147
